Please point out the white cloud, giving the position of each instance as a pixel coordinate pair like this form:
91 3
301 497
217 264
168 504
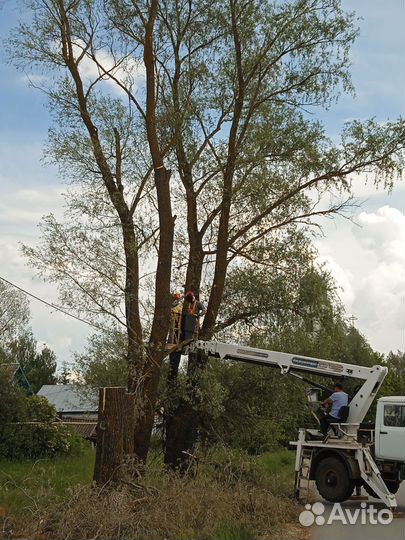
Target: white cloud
34 79
343 277
382 233
20 212
129 71
368 262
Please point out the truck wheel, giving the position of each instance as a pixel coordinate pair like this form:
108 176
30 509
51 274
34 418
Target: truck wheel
333 481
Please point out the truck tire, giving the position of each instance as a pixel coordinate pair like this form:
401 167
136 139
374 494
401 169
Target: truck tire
332 480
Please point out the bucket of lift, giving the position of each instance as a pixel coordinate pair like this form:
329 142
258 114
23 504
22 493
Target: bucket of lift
184 328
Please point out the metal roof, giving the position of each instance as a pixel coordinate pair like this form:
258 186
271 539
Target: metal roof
70 398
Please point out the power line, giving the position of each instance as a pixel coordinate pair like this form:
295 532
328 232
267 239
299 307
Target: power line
52 305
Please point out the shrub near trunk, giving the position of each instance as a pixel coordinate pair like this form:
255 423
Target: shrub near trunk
27 426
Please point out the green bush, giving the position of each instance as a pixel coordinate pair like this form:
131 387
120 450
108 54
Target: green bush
34 441
255 409
29 428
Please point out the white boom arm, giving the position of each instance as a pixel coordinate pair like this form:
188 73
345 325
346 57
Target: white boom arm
373 377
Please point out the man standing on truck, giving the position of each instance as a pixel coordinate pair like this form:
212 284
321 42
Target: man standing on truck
338 399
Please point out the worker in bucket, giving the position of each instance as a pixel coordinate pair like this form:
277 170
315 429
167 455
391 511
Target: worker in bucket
334 403
193 306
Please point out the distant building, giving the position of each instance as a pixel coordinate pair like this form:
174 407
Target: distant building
75 406
16 373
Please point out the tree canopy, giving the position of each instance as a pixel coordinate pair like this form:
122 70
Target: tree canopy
187 131
14 313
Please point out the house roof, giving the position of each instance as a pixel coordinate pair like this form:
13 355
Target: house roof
10 368
69 398
16 372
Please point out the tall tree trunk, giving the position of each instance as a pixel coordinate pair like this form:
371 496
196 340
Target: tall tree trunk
115 189
182 440
161 320
161 317
180 418
181 421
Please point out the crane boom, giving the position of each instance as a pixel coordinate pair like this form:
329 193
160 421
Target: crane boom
373 376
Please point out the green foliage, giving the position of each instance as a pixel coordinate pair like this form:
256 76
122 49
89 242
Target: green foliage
11 399
357 350
65 374
14 314
103 363
36 441
277 462
313 319
23 481
39 366
29 427
394 384
234 531
261 410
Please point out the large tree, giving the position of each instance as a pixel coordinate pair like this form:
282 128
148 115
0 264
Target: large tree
59 39
219 91
253 164
14 313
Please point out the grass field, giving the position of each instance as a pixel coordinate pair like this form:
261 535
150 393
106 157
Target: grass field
24 484
233 496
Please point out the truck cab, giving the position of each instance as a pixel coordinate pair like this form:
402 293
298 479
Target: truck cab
390 429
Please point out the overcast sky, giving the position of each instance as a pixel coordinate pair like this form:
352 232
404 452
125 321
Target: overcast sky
366 256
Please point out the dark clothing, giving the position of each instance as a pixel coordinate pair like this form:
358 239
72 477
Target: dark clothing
325 421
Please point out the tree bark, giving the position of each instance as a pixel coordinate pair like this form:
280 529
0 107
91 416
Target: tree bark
110 434
182 419
161 316
129 423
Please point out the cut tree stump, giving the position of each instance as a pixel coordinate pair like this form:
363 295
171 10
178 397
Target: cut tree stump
112 421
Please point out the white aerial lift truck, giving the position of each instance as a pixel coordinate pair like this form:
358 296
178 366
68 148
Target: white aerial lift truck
351 455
